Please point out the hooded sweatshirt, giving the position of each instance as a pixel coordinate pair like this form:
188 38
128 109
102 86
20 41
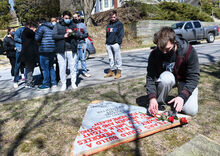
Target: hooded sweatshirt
83 32
183 64
114 32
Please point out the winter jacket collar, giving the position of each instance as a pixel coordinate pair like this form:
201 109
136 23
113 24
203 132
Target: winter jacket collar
48 24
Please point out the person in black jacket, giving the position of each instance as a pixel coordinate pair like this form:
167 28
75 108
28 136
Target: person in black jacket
1 47
114 36
65 36
9 47
29 53
174 62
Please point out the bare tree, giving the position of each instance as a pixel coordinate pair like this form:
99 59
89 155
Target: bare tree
87 7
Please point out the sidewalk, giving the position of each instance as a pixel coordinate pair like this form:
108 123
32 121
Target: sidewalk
134 65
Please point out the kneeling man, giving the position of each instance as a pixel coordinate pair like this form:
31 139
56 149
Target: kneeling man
174 62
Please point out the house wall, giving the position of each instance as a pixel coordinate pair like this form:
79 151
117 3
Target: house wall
104 5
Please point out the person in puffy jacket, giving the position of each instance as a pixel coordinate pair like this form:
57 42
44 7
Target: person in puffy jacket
9 47
47 54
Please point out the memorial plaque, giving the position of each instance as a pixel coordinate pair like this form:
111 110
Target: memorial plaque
108 124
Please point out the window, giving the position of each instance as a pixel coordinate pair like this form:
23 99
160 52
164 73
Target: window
113 2
106 3
197 24
188 25
177 26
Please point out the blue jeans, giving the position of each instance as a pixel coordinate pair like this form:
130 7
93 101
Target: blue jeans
81 53
17 67
46 63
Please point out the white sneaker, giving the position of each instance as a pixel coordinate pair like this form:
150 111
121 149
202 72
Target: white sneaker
15 85
54 88
74 86
63 87
87 75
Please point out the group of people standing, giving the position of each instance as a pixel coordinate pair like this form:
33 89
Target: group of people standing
43 44
62 42
173 63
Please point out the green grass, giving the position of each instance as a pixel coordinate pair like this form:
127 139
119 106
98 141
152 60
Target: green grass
49 125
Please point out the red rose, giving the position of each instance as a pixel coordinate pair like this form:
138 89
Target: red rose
183 120
171 119
75 29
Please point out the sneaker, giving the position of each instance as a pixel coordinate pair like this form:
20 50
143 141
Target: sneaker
29 86
43 87
74 86
63 87
12 79
87 75
54 88
15 85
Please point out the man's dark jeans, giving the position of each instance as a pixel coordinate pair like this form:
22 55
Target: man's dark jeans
47 66
17 67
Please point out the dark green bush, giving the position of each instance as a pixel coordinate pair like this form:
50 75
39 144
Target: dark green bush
172 11
4 14
183 11
34 10
217 12
207 7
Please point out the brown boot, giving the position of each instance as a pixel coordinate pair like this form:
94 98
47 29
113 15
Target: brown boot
109 74
118 75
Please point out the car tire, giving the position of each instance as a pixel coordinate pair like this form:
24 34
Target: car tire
87 55
210 38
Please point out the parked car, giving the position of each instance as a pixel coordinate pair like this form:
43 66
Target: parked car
90 47
194 31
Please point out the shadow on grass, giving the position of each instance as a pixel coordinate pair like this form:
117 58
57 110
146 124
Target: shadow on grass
122 99
30 125
213 70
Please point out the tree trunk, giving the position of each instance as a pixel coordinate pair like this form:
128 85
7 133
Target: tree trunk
87 7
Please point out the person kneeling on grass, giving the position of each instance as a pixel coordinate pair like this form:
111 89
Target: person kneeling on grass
174 62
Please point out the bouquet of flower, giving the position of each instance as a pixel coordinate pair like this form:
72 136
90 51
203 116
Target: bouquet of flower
170 117
70 31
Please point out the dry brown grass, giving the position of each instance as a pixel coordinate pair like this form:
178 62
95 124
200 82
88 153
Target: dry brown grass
49 125
98 35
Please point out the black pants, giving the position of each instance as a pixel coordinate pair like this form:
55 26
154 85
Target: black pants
30 69
12 62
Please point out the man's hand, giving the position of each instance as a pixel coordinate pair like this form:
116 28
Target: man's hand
178 103
153 106
66 35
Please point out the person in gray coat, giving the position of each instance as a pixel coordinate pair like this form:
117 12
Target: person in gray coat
173 63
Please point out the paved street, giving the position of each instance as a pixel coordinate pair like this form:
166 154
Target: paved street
134 65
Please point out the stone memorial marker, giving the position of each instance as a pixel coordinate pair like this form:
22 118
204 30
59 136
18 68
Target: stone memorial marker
108 124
